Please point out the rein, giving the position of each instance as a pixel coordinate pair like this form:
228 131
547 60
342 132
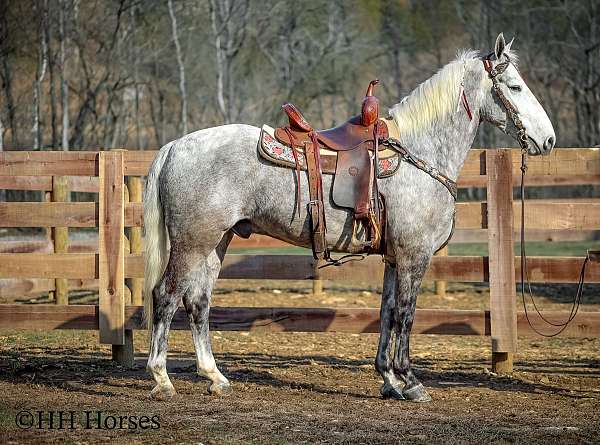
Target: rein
522 138
405 155
525 273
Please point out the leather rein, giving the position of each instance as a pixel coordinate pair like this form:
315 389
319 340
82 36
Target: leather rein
522 138
405 155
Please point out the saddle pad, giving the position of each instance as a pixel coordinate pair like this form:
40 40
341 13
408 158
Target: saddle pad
277 153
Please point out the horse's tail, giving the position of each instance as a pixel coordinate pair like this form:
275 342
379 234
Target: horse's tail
156 237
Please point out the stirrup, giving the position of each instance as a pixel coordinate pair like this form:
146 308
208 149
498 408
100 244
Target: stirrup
376 239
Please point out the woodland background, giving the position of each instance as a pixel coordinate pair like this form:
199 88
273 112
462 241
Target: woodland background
99 74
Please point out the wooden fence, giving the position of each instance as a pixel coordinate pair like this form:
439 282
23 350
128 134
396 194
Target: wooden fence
115 176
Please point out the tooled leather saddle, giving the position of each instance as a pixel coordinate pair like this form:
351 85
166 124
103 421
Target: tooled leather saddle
356 143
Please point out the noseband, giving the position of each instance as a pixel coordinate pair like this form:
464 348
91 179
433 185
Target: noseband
494 72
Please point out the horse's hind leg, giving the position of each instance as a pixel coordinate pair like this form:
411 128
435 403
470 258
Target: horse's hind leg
197 304
166 297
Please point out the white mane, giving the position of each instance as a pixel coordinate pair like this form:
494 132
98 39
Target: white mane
433 99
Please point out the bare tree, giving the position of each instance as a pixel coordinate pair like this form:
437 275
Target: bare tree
136 77
579 63
178 53
113 65
2 191
48 29
101 78
477 21
229 20
1 134
63 14
39 78
297 54
6 72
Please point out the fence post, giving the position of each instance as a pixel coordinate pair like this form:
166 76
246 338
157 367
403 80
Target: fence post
134 184
111 258
503 299
317 283
440 286
60 237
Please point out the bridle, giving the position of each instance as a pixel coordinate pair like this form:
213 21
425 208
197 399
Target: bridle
493 73
523 139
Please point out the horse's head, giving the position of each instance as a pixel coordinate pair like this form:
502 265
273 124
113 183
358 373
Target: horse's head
511 106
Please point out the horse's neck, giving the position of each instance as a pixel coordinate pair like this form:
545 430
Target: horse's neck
446 142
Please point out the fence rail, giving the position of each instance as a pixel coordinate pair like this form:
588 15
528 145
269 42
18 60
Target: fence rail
297 267
265 319
114 258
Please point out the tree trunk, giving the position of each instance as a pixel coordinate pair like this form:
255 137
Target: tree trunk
39 78
51 66
182 90
6 73
2 191
64 90
136 79
229 21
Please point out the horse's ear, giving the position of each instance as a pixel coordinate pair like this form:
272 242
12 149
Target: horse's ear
500 46
509 45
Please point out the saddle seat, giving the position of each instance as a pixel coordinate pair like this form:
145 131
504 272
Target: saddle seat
343 137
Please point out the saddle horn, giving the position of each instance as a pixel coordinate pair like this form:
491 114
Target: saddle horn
370 106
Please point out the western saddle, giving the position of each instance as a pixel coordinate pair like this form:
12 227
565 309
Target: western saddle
356 143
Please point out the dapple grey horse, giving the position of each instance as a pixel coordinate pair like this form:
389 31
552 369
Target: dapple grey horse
211 183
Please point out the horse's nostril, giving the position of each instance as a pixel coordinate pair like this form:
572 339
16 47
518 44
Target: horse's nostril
549 143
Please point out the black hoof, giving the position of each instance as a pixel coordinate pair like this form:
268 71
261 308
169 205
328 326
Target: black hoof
416 394
391 392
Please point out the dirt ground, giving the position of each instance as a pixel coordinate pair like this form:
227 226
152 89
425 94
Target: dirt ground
307 387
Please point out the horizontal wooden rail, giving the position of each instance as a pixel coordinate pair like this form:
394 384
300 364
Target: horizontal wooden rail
559 215
296 267
532 180
48 163
63 214
29 287
260 319
562 162
262 242
45 246
87 184
137 163
48 265
539 214
85 214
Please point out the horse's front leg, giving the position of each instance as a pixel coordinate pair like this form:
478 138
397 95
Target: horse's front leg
410 270
392 386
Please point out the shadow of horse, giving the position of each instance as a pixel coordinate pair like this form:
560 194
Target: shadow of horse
78 371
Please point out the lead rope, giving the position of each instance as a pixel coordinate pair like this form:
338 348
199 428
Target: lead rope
525 273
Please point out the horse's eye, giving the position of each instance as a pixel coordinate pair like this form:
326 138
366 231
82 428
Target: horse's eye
515 88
